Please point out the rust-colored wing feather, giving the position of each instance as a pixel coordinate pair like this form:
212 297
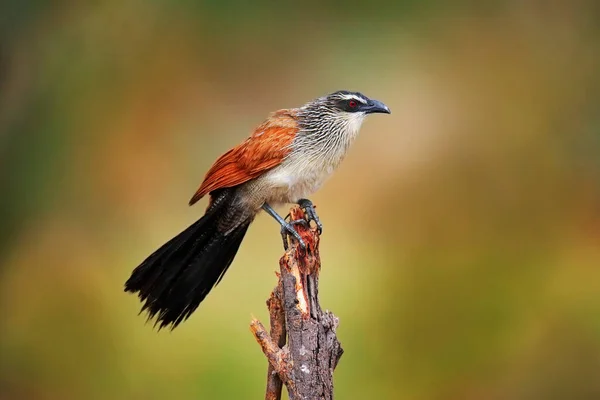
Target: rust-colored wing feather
263 150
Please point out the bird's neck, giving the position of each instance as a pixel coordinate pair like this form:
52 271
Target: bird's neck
327 137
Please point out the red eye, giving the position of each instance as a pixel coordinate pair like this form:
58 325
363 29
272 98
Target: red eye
352 104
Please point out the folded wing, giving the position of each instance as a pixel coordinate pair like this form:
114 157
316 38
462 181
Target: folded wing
263 150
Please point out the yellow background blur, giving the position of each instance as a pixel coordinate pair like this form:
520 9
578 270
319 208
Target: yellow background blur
461 247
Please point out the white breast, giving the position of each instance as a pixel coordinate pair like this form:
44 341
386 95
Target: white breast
299 179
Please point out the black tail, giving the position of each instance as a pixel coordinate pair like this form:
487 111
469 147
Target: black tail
175 279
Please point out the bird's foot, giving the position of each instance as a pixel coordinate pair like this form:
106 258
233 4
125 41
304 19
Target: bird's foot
287 229
311 214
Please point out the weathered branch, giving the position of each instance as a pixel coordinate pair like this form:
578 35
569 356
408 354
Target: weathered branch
273 348
306 364
277 321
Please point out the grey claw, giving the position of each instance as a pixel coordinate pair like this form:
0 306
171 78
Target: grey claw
311 214
288 230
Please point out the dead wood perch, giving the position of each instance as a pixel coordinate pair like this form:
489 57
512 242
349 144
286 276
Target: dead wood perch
306 364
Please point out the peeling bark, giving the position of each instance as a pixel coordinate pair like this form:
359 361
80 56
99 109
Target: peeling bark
306 364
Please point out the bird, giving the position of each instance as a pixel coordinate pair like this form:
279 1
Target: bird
285 160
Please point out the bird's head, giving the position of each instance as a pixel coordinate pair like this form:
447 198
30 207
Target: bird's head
341 109
345 102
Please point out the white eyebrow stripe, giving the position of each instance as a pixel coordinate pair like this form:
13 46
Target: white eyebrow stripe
353 97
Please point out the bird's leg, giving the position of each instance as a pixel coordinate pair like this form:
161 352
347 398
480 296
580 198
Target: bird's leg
311 214
287 228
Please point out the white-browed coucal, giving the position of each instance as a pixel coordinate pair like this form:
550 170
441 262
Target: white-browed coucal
287 158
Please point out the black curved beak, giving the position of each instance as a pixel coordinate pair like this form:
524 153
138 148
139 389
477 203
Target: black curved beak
375 106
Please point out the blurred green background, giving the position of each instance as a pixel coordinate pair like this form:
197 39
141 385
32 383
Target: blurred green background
461 247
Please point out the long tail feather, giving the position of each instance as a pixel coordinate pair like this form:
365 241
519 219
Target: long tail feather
173 281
